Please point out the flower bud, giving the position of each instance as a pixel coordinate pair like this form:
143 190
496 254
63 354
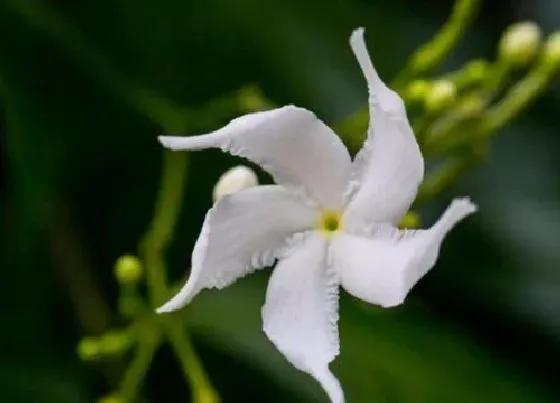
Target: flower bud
251 99
520 43
411 220
441 94
551 52
233 180
128 269
88 349
417 89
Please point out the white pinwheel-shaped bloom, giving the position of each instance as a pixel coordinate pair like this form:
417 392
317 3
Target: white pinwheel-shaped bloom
329 221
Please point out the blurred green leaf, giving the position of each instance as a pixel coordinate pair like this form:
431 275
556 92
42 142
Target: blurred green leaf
399 355
27 382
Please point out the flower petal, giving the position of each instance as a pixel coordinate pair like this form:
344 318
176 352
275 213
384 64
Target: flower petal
382 268
299 150
244 231
389 168
301 311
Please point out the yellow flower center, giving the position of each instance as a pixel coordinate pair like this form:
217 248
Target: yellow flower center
329 222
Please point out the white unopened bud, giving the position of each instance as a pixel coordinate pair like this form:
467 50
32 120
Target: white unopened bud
233 180
520 43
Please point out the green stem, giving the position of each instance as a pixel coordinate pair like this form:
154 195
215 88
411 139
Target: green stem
471 74
497 78
153 245
135 373
443 176
459 125
167 209
430 55
192 368
517 98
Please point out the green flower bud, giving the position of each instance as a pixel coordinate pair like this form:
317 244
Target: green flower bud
89 349
114 342
411 220
417 89
551 52
251 99
233 180
128 269
442 93
519 43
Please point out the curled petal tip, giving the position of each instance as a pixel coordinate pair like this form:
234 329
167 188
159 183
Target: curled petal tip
357 34
164 141
358 31
465 204
167 308
457 210
161 310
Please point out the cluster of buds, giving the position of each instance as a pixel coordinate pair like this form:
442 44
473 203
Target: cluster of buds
457 113
129 272
522 45
113 344
454 115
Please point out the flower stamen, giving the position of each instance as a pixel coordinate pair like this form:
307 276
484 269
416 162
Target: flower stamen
329 222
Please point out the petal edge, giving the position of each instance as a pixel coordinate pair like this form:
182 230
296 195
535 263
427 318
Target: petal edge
300 314
383 267
243 232
291 143
389 168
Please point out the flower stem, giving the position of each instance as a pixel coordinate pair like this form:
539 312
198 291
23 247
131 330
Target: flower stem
140 364
192 368
443 176
158 236
153 245
462 123
517 98
430 55
353 128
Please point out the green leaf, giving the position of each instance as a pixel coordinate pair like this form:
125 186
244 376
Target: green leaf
398 355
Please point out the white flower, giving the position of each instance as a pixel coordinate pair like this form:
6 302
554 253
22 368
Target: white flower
234 180
330 222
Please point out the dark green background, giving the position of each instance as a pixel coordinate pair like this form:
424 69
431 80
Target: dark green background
80 172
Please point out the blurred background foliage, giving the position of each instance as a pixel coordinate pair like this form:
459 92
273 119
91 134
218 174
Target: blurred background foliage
84 88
